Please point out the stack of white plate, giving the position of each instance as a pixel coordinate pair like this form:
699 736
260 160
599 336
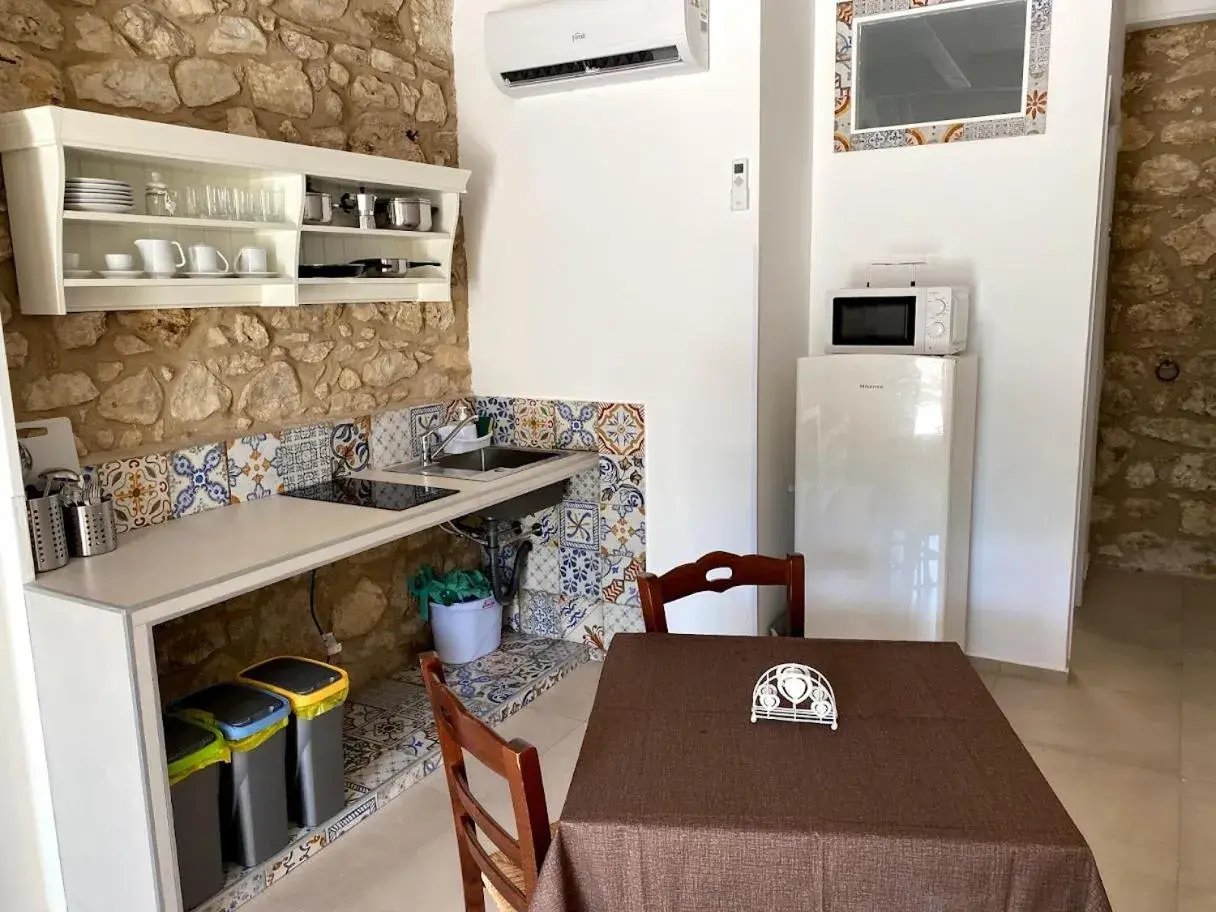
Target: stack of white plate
97 194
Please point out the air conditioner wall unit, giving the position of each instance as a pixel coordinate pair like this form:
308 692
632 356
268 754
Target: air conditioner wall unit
563 45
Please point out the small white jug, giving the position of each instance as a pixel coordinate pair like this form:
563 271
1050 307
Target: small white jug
158 257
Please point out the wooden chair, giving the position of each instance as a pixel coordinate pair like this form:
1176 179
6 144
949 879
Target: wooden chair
509 875
745 570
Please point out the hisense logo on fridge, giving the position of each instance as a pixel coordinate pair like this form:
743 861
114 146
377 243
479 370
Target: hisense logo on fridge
579 36
871 386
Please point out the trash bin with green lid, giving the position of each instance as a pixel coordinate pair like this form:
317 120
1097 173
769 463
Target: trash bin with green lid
253 792
315 787
195 753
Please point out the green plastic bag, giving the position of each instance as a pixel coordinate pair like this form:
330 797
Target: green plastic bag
448 589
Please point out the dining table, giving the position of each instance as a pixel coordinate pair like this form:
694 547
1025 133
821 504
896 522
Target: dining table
923 799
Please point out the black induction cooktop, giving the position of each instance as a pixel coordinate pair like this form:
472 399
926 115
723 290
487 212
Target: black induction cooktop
380 495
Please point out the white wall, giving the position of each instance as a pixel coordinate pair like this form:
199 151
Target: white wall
785 268
605 264
1148 13
1015 220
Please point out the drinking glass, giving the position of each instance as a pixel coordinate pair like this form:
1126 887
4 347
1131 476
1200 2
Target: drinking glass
217 202
196 202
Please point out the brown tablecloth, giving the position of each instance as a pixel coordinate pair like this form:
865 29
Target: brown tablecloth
924 800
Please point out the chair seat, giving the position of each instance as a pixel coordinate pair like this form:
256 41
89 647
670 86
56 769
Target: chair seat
512 872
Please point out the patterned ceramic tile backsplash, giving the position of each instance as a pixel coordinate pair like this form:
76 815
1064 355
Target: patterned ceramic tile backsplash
198 479
580 580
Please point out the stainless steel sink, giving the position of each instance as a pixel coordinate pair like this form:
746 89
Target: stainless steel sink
480 465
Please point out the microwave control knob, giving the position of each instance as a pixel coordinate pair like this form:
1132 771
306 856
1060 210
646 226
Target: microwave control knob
936 330
937 306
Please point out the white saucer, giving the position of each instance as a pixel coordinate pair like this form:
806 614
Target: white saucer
99 207
218 274
122 273
257 275
77 273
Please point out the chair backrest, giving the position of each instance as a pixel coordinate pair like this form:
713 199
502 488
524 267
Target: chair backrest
744 570
518 763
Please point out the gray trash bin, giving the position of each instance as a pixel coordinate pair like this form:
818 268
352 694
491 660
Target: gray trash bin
253 791
316 790
196 755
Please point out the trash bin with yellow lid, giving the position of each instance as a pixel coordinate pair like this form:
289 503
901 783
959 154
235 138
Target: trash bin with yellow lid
315 787
253 792
194 752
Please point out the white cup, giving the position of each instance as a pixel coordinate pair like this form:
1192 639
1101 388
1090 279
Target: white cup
119 262
71 261
205 258
158 257
251 260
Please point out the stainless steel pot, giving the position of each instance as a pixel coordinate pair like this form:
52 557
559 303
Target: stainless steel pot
408 213
318 208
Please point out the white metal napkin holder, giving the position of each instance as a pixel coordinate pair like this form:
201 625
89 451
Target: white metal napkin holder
794 693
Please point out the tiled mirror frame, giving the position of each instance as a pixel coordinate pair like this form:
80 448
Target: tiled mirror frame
1033 120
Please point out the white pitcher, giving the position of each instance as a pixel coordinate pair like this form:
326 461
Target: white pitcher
158 257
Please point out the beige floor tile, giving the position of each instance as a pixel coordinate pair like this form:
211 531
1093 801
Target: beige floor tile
574 694
557 765
1199 615
428 880
1099 660
1199 676
326 882
1199 741
990 681
1195 901
1128 815
1119 727
1197 856
539 726
270 902
1132 892
1137 608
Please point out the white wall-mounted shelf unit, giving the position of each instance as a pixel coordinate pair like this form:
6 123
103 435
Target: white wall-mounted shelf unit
41 147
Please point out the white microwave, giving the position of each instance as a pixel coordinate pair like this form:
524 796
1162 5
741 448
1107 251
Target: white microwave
909 320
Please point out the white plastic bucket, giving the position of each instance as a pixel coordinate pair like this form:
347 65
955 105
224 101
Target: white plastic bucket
466 631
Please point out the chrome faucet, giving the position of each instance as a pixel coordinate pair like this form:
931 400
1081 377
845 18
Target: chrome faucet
429 454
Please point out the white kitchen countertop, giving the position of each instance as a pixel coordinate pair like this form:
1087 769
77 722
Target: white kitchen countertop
172 569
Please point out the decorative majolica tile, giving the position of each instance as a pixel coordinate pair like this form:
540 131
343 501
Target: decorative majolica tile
140 489
350 445
356 715
463 405
501 412
382 768
580 525
389 729
584 486
620 473
577 612
253 468
398 784
621 429
198 479
357 753
574 425
245 887
622 619
540 613
419 744
394 696
623 525
542 572
425 419
295 855
351 818
304 456
392 438
579 573
542 526
534 423
619 575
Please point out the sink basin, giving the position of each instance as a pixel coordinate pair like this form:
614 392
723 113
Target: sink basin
480 465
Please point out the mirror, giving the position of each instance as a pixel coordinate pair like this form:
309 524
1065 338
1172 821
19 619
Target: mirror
949 62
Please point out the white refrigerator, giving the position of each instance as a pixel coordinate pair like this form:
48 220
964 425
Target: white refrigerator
886 447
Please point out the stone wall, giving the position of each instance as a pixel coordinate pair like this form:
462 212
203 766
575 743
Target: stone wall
372 76
1155 502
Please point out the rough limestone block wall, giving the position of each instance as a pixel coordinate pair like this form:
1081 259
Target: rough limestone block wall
372 76
1155 503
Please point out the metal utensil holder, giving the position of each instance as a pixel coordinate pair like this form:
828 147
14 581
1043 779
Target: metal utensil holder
48 538
91 528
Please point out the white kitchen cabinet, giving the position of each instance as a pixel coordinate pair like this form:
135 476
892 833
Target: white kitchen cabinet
41 147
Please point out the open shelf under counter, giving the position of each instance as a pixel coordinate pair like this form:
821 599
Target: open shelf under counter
177 221
86 295
376 232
